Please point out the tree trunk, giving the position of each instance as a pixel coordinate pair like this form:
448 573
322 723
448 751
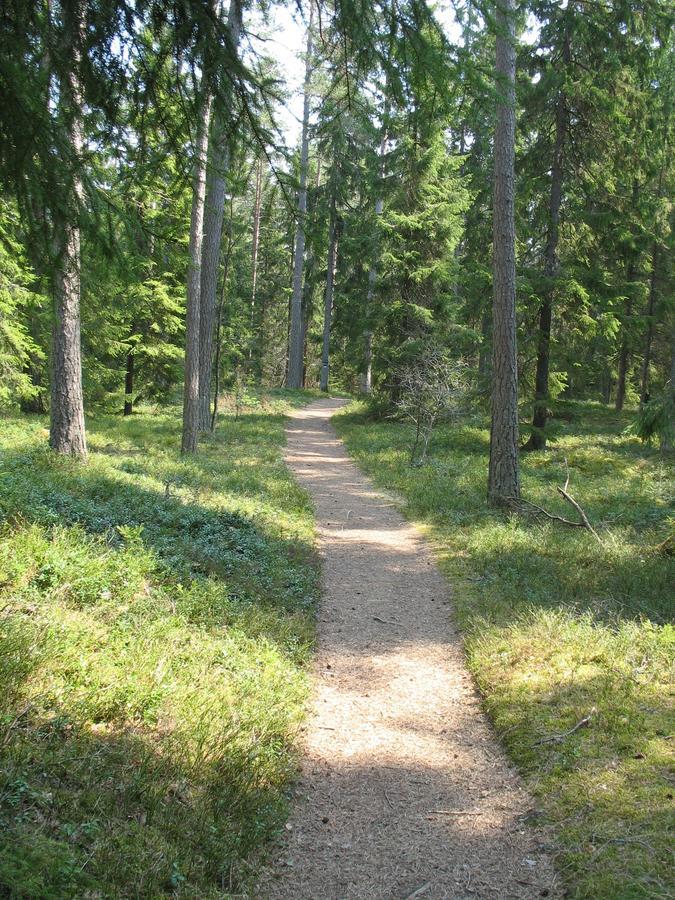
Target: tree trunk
504 474
537 439
624 354
67 430
219 319
328 297
295 339
624 350
254 254
191 399
218 157
367 374
651 304
129 385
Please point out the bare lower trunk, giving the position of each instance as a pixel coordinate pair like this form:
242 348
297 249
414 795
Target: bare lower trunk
295 339
129 385
504 473
328 297
651 304
254 253
191 400
624 359
219 153
537 439
67 430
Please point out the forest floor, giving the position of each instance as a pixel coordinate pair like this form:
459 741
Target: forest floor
569 639
156 622
405 791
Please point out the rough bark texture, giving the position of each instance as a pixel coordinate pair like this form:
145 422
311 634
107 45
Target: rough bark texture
295 338
537 439
504 474
256 242
218 158
328 296
191 405
67 431
623 362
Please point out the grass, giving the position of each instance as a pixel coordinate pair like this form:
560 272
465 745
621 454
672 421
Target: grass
558 628
156 616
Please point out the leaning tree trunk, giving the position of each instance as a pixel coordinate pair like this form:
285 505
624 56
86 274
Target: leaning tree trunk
295 337
191 400
67 431
328 296
504 474
537 439
218 158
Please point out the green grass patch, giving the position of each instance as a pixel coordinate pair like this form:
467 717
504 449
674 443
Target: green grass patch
156 616
558 628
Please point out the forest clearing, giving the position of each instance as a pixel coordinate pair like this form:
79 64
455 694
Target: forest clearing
337 412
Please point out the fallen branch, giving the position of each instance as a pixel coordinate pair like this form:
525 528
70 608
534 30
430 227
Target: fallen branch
564 493
557 738
419 891
456 812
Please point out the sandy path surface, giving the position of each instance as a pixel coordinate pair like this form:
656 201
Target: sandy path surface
404 791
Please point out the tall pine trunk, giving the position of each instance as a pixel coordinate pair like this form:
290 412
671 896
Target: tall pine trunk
651 305
367 373
191 399
295 337
328 296
625 348
218 161
504 474
67 430
255 248
537 439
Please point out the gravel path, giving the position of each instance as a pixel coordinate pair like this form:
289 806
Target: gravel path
404 791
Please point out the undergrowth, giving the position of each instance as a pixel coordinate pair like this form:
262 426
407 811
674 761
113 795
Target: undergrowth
559 628
156 615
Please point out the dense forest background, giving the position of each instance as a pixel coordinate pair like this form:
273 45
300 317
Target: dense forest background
151 206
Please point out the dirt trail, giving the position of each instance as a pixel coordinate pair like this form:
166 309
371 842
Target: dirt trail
404 790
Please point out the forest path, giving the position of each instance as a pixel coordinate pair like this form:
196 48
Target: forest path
404 790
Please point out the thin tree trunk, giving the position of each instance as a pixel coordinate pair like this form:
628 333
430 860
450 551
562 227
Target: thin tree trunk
328 297
129 385
624 350
255 250
651 304
537 439
367 374
67 429
191 400
219 152
504 473
219 318
295 339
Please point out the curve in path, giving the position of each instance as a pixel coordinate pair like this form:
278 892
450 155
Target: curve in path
404 791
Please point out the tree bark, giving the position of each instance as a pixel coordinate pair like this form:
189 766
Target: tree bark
624 350
504 473
537 439
328 297
651 304
218 158
67 429
191 398
129 385
254 253
295 338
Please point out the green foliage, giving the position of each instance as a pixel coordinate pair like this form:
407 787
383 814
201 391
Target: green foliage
558 627
157 615
16 303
